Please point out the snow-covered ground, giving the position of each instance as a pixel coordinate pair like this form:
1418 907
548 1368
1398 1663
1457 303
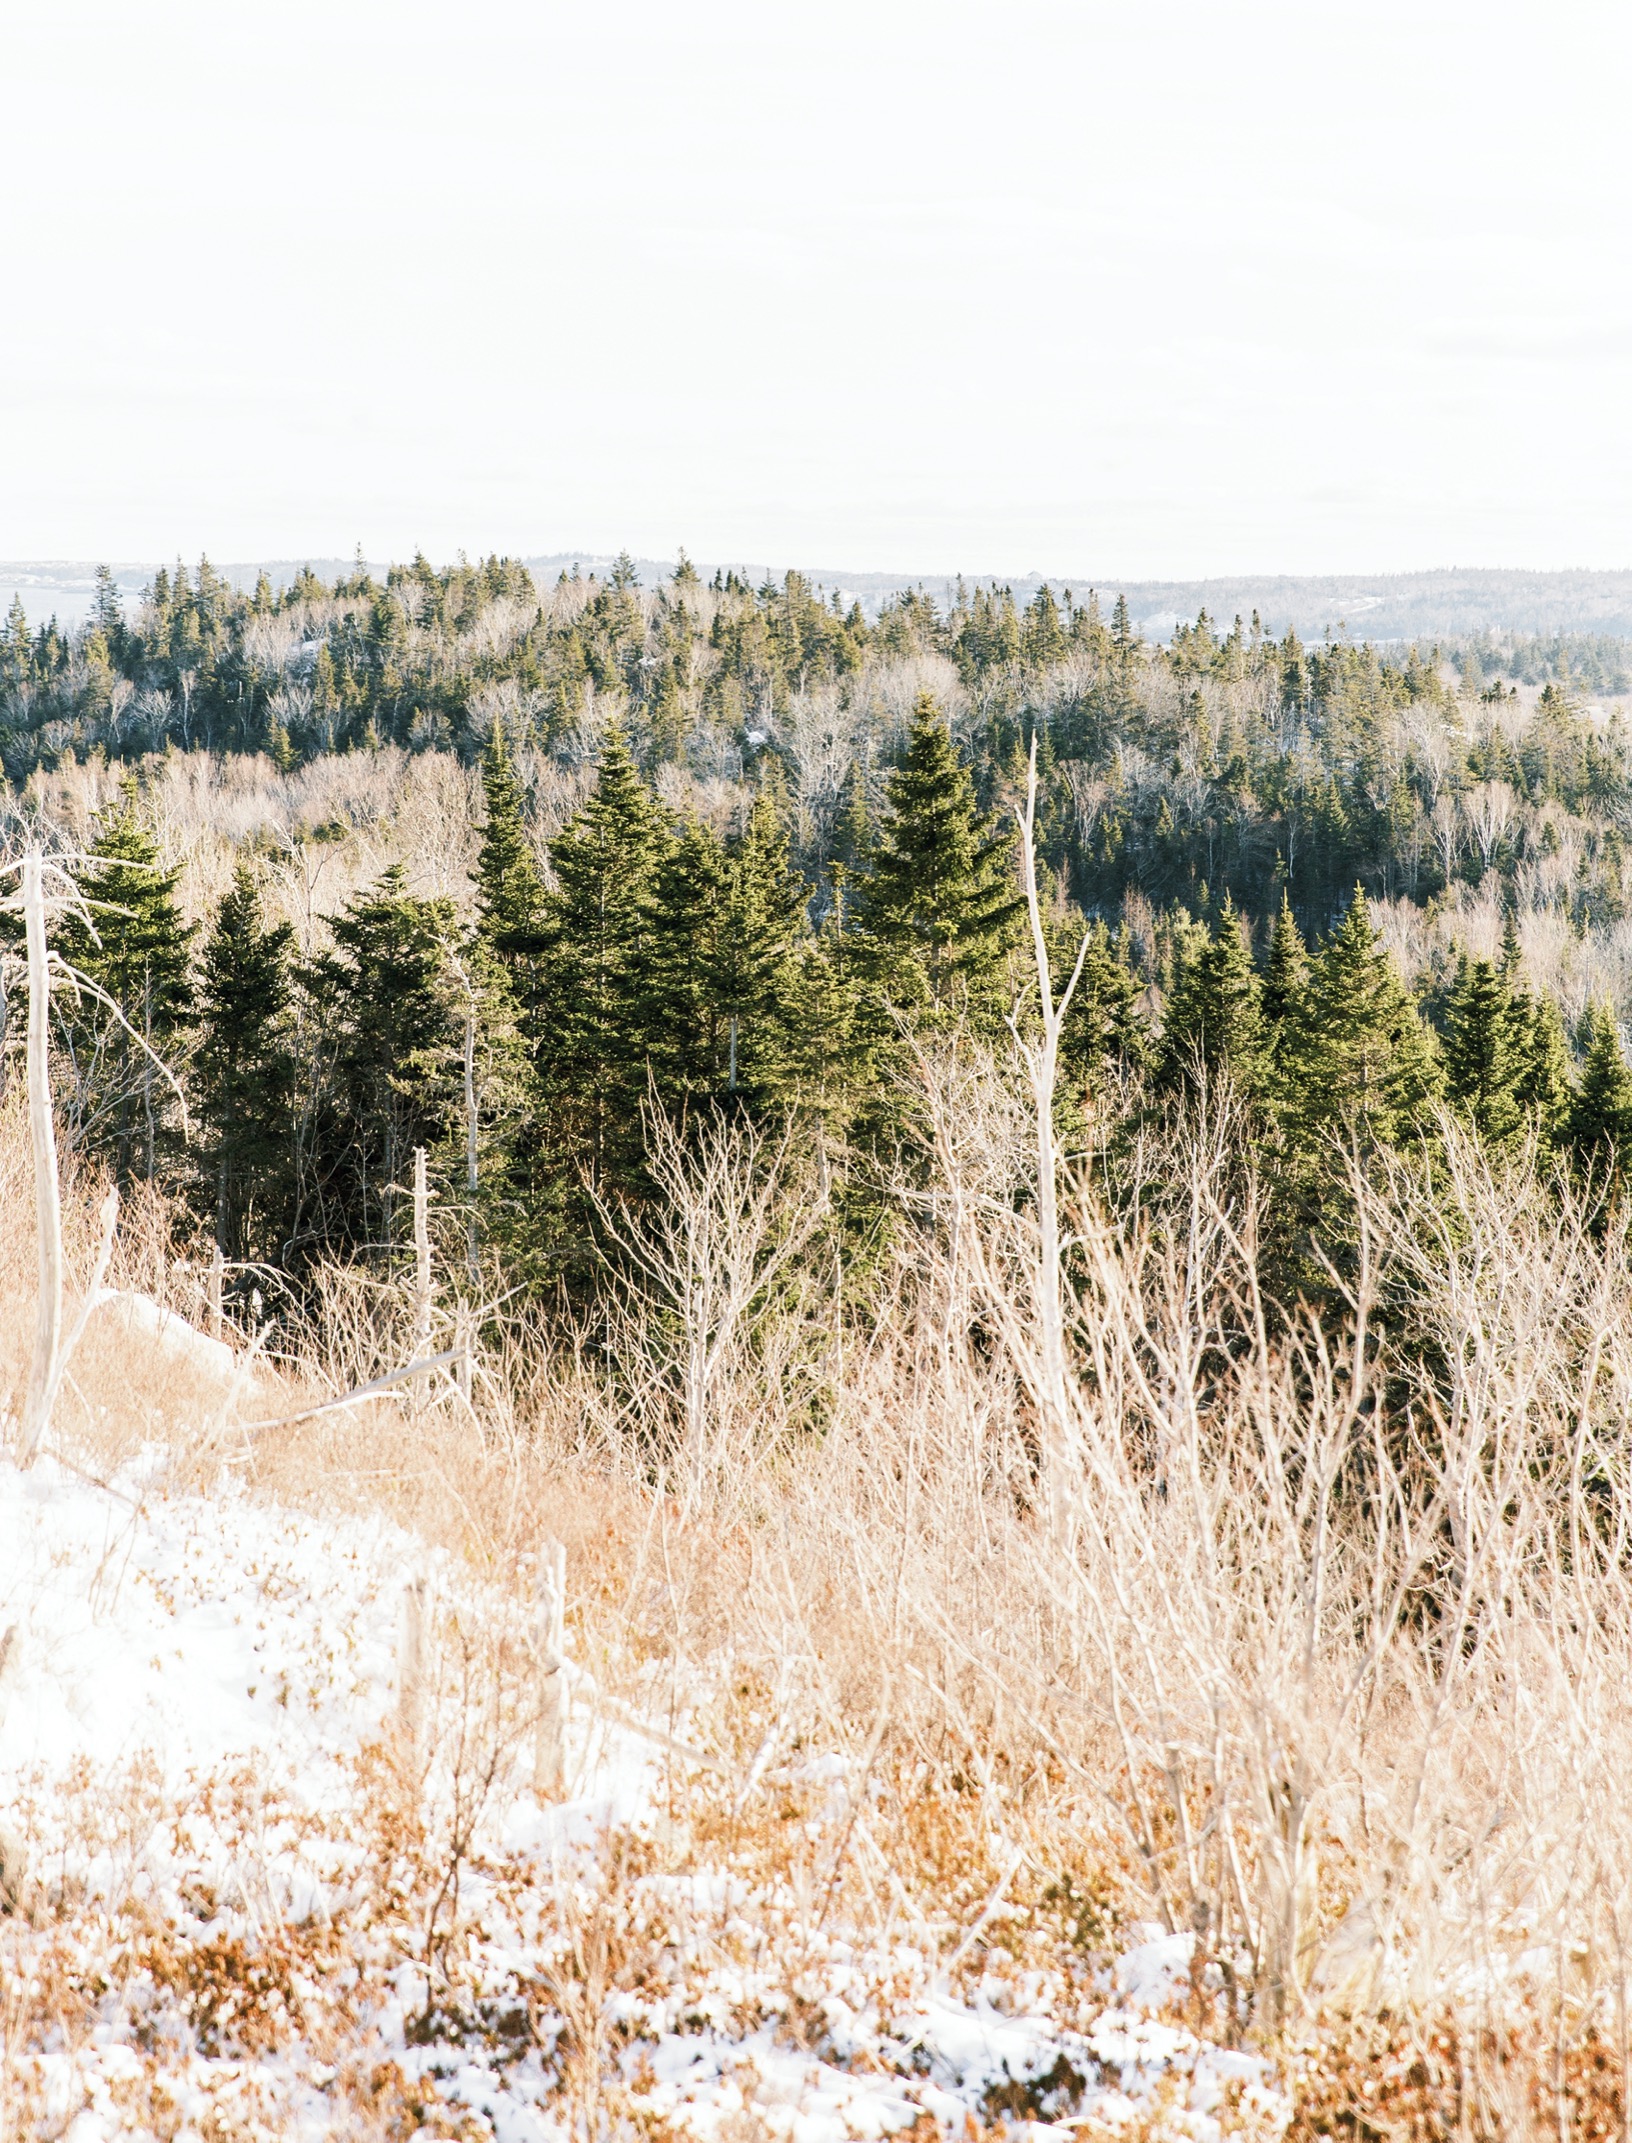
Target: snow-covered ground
253 1903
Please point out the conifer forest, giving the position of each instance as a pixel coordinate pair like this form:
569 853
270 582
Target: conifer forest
810 1361
799 1346
709 847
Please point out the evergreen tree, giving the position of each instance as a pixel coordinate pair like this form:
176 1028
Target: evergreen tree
512 906
939 894
761 915
1484 1034
132 946
1357 1057
491 1154
838 1038
1546 1082
853 830
1286 972
509 884
1510 962
1600 1119
680 1013
597 976
1103 1032
107 612
244 1073
1214 1019
382 1005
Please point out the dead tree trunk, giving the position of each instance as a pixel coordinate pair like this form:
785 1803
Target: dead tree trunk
42 1378
550 1747
422 1276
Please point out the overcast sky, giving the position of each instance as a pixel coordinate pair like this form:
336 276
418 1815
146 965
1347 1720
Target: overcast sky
1129 290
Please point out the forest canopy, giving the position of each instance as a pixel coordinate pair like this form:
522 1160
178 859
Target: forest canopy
750 847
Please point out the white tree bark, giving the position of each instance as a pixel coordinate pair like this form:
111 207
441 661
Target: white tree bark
42 1379
411 1648
422 1274
550 1746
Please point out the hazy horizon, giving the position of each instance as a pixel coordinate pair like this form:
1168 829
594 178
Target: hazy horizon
1185 290
1447 602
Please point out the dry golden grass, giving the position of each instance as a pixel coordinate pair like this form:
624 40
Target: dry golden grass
1323 1655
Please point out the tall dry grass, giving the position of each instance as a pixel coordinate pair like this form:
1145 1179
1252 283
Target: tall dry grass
1307 1633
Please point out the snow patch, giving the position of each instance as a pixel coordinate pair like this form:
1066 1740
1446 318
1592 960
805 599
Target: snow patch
140 1313
215 1647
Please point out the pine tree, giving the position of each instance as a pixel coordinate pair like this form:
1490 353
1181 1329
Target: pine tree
511 901
939 895
596 977
1600 1119
244 1075
1286 972
839 1063
1546 1080
1103 1032
383 1007
836 1038
1483 1066
17 644
1214 1021
1511 959
491 1157
853 830
680 1014
761 915
1357 1057
107 612
133 947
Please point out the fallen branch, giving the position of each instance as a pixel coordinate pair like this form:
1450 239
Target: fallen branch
377 1389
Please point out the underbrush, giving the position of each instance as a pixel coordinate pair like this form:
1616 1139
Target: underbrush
1111 1614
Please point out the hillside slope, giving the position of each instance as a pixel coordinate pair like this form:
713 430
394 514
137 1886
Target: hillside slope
247 1899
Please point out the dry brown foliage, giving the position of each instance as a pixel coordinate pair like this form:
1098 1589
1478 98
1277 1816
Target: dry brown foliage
1309 1634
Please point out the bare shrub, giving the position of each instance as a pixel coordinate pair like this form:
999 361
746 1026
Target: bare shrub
1113 1590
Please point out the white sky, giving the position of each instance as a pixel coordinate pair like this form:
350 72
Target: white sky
1093 289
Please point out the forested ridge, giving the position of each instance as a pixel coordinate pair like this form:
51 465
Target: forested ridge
747 848
1246 1341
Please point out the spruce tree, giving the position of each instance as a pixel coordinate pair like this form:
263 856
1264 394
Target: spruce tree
491 1157
1286 971
132 945
1546 1080
1104 1039
244 1078
680 1012
1357 1059
1214 1021
385 1012
853 829
596 977
939 895
512 906
1103 1031
1483 1066
509 884
838 1038
761 915
1600 1118
1510 961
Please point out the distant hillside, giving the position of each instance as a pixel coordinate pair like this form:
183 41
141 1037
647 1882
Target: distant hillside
1444 604
1447 603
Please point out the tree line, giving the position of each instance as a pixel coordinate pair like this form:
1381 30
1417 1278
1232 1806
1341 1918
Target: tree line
1226 760
640 959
